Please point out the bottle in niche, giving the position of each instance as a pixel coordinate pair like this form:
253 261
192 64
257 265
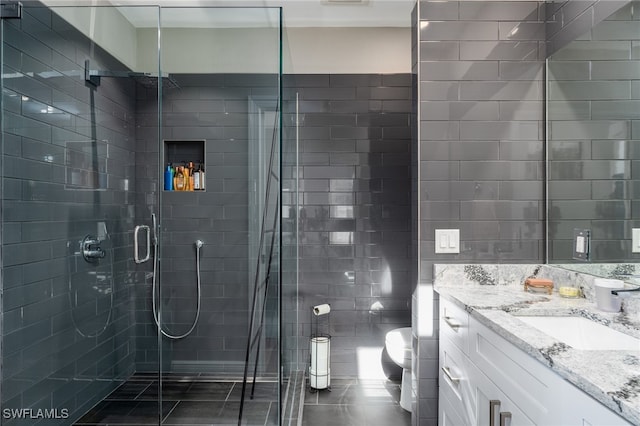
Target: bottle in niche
180 180
168 178
196 179
202 179
190 175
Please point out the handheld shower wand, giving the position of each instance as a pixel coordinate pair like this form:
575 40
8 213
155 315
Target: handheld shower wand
199 244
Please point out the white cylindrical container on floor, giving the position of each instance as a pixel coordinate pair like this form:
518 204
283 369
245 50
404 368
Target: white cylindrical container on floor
319 370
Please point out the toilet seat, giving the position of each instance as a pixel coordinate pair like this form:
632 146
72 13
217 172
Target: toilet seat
398 344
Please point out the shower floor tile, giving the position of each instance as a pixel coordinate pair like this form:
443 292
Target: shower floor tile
129 390
255 412
170 391
195 413
262 392
122 412
185 402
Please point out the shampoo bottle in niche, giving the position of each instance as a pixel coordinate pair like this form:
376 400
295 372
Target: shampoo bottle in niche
168 178
190 176
202 179
196 179
180 181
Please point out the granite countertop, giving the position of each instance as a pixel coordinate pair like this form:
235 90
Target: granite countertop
611 377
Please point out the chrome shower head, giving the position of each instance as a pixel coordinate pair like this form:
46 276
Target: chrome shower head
199 243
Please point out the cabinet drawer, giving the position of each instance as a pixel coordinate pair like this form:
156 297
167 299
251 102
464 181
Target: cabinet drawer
454 380
525 380
454 324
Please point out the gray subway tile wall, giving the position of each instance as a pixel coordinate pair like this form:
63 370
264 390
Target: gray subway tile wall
481 144
64 177
354 225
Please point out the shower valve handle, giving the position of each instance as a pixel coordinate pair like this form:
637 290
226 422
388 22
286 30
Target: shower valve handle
91 250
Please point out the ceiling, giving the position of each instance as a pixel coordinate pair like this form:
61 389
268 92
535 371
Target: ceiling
296 13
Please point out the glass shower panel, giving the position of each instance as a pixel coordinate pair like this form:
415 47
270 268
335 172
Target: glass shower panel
70 335
220 126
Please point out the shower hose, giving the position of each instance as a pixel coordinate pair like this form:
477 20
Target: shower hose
198 245
74 304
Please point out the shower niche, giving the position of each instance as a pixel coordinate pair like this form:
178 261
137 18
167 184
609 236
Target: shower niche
186 157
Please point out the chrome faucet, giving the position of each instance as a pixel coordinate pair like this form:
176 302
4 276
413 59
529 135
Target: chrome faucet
627 277
615 292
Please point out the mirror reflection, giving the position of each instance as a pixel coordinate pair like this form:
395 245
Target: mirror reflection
593 137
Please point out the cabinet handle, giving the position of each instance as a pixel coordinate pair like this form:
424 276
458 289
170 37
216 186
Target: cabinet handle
504 415
447 373
492 411
451 324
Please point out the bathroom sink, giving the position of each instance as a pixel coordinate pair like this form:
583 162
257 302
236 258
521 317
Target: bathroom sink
581 333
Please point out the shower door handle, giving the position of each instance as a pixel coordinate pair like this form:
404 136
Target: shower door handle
136 233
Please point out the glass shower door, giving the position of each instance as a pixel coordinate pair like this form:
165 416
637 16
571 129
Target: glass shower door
226 66
70 332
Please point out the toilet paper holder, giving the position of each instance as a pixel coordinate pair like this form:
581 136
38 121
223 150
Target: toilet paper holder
320 348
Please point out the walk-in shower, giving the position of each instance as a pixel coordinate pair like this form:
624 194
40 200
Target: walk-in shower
123 302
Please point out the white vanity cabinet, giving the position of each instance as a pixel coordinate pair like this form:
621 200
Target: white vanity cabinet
487 381
469 397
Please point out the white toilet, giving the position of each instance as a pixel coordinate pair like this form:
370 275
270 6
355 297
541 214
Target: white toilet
398 344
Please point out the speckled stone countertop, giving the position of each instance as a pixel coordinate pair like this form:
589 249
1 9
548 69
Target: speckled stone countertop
611 377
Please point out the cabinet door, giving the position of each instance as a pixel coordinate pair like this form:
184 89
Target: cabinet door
579 409
449 414
489 398
525 380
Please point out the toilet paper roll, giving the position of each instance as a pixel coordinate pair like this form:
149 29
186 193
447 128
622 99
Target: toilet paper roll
320 354
322 309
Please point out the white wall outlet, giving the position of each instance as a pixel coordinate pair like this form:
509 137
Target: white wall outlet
635 240
447 241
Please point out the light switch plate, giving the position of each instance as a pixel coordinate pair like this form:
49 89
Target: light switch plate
581 244
447 241
635 240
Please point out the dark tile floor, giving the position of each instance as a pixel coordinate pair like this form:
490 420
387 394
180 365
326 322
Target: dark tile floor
185 402
354 402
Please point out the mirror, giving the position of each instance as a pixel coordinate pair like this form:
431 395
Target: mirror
593 145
